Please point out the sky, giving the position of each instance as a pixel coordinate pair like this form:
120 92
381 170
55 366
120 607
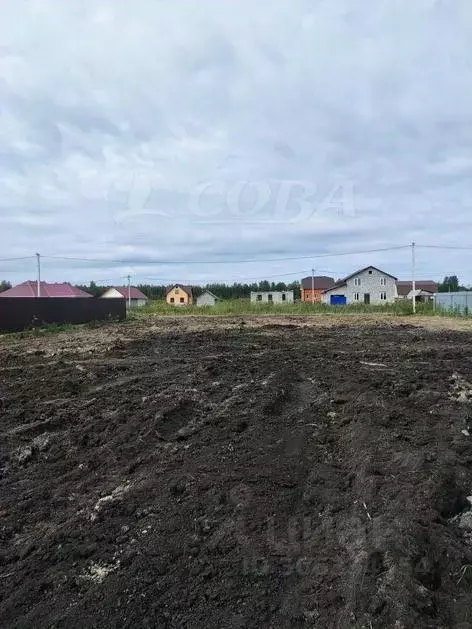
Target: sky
173 140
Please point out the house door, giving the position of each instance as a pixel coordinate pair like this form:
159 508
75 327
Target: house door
367 298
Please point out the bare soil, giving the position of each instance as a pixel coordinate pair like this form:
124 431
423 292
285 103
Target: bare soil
237 473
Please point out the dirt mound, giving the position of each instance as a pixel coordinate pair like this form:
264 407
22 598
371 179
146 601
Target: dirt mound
274 477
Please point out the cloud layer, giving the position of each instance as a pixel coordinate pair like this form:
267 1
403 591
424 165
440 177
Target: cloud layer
191 132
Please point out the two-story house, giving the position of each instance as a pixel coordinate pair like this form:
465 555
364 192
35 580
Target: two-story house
179 295
312 287
366 286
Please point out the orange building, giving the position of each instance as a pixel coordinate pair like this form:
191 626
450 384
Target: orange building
311 288
179 295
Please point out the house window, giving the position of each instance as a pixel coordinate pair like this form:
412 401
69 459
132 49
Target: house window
383 296
284 297
356 296
172 300
357 281
259 298
383 281
269 297
182 300
370 272
177 291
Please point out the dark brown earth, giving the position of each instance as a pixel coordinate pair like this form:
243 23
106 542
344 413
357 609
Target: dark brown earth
233 476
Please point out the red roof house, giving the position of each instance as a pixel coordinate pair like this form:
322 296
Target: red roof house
312 288
30 289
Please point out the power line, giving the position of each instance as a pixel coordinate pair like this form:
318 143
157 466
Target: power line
101 281
282 259
136 261
15 259
269 277
240 279
450 247
164 279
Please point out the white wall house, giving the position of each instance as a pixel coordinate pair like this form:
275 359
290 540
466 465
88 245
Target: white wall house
133 296
366 286
206 299
272 296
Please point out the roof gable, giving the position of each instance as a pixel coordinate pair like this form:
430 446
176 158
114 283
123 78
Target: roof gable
186 289
366 268
344 281
207 292
131 293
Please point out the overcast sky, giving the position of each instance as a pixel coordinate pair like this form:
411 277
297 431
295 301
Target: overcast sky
211 131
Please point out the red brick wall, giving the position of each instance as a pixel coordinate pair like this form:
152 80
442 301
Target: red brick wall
306 294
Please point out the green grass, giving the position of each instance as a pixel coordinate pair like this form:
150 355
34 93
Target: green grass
245 307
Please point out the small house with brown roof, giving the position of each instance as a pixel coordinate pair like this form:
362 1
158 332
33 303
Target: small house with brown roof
179 295
312 287
424 289
134 297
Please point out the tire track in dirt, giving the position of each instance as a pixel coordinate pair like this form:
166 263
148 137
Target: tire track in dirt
273 479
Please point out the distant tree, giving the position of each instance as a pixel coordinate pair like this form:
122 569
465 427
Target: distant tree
92 289
295 286
450 284
152 291
4 285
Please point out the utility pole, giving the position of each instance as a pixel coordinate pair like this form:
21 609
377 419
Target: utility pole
38 281
413 281
129 291
312 286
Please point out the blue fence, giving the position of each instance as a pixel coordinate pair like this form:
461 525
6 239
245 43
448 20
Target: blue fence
457 303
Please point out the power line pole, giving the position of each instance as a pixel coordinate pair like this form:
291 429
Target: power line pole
129 291
38 281
413 281
312 286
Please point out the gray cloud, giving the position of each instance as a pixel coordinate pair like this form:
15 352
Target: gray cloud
114 118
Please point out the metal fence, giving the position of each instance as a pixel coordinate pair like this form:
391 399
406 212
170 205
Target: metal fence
457 303
17 313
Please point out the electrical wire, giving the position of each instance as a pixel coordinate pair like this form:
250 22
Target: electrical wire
167 279
15 259
238 279
449 247
241 261
109 279
167 262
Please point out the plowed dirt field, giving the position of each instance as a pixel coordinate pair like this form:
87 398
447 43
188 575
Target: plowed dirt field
265 474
